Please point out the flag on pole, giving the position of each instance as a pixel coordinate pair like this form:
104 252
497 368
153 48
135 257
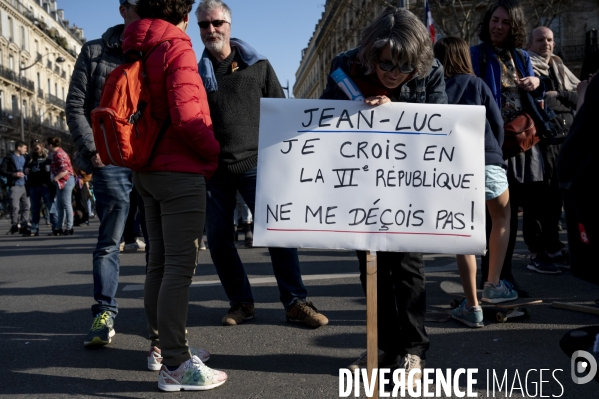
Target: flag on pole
430 24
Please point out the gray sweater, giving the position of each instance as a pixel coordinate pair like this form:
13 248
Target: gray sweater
235 109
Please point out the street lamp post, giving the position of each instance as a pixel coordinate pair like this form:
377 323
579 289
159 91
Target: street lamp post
59 60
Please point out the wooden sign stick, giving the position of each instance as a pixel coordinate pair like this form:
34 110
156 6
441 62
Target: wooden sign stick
372 346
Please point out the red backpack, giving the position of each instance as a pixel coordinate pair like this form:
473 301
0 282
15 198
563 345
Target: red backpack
125 133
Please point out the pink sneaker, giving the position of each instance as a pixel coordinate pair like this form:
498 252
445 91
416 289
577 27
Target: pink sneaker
193 375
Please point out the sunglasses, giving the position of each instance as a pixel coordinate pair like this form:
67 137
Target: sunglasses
388 66
217 23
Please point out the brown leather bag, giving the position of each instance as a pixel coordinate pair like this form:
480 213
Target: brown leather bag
519 135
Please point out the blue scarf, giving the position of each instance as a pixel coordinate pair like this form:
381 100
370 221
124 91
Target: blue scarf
247 53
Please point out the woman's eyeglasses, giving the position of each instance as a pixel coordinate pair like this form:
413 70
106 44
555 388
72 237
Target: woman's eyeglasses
217 23
388 66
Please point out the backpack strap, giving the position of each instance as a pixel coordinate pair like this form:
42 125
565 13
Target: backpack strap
161 134
520 55
134 55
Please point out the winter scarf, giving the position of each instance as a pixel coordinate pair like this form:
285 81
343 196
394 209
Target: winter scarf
566 79
246 52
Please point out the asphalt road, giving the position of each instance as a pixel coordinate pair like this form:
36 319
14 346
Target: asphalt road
46 294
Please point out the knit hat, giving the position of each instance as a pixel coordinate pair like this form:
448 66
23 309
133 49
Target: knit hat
133 2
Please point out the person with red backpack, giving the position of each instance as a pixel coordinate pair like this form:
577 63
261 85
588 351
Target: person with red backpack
172 183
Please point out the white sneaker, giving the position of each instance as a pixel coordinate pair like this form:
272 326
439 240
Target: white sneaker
193 375
410 362
137 246
155 357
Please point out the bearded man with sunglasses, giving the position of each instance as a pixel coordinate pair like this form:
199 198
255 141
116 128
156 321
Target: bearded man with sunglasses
236 77
395 62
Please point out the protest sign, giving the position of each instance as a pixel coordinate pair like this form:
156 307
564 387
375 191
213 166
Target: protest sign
397 177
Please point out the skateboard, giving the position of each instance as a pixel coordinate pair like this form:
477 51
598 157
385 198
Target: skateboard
575 307
437 316
503 311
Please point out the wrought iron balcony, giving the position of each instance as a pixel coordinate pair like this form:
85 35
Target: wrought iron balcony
14 77
52 99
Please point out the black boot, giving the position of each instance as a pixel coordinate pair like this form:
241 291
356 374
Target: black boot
249 236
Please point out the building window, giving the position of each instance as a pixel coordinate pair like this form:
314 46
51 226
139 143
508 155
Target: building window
23 41
49 87
11 31
15 105
39 81
1 101
11 63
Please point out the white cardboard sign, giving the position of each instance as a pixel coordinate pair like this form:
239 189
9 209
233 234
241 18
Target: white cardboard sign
397 177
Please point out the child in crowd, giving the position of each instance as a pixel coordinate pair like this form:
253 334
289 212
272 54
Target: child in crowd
463 87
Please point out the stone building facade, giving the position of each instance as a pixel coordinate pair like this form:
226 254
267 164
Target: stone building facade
342 21
34 35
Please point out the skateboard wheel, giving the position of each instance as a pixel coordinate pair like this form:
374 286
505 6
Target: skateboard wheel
455 303
526 312
501 317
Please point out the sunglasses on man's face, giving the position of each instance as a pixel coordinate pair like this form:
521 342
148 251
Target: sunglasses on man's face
217 23
388 66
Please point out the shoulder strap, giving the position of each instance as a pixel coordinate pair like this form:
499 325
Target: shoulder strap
483 60
134 55
520 55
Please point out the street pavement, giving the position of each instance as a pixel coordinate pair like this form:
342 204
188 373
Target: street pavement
46 294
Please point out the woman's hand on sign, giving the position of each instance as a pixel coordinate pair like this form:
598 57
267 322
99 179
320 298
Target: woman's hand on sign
377 100
530 83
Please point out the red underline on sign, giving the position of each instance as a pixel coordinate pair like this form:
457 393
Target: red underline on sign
371 131
367 232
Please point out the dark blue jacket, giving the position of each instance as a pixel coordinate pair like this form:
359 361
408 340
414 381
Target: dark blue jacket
470 90
429 88
528 166
492 76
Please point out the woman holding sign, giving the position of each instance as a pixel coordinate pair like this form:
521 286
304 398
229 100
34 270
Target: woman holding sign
463 87
394 62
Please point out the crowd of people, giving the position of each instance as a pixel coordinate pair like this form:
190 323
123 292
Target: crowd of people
205 166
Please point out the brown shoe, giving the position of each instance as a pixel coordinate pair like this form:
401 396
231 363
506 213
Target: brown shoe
306 312
238 314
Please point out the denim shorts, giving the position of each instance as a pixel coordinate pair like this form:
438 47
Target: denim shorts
495 181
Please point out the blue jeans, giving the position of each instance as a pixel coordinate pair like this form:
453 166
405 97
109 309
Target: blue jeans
112 185
64 204
222 189
35 196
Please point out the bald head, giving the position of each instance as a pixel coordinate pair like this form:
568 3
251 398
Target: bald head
541 41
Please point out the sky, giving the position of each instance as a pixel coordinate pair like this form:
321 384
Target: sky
277 29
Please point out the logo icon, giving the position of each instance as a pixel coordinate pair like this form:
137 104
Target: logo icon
578 367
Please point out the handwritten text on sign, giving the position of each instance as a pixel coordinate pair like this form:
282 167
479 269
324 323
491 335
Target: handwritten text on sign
398 177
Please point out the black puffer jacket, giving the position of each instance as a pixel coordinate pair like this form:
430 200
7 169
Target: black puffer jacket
97 59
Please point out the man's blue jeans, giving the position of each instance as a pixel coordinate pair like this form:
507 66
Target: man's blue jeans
112 185
222 189
35 196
